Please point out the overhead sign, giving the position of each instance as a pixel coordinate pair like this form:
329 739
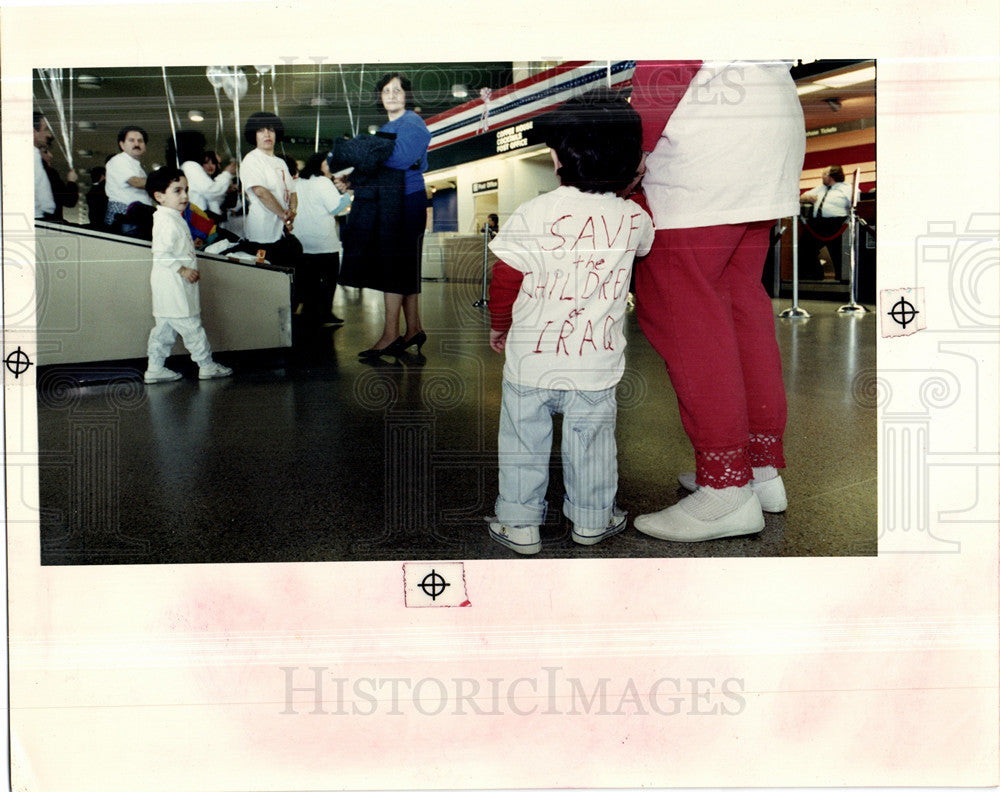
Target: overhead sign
484 186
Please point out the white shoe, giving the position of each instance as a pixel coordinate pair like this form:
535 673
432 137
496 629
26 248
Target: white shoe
591 536
770 493
213 370
677 523
161 375
523 539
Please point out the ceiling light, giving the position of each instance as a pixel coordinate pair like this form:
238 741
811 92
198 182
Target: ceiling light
89 81
372 129
86 126
810 88
459 91
850 78
196 115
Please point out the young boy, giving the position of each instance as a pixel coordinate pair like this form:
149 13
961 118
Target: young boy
557 305
174 280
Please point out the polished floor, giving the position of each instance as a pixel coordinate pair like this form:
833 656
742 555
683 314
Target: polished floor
308 454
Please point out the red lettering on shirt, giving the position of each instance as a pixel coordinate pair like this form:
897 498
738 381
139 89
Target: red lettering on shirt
592 235
555 282
597 282
604 285
569 280
588 335
563 335
609 325
632 227
621 222
538 346
553 232
619 281
540 286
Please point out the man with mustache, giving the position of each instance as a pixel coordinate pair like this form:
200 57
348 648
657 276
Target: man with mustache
125 179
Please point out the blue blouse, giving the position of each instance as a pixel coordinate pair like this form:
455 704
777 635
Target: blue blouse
412 140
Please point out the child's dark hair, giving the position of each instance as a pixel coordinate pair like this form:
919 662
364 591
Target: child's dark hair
598 139
190 144
313 166
260 121
160 179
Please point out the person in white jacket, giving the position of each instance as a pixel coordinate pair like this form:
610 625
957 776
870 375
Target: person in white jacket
174 283
204 191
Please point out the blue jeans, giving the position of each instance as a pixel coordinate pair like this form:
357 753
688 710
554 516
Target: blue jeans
589 454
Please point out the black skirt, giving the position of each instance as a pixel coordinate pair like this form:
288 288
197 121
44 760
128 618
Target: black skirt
383 236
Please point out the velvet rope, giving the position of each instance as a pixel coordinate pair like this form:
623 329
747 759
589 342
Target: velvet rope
812 233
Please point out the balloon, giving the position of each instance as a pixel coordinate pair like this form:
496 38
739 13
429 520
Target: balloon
235 86
216 75
262 70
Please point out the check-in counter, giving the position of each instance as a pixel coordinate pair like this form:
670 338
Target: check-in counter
93 300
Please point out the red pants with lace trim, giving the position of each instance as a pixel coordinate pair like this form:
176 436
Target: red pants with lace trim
701 304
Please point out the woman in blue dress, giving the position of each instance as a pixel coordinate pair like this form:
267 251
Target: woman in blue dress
384 234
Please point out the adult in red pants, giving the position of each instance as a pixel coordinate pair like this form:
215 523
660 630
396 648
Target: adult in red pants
724 147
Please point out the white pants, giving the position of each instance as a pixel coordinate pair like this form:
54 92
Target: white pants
164 334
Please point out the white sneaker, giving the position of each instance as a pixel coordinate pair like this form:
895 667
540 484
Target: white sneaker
770 493
591 536
677 523
523 539
213 370
161 375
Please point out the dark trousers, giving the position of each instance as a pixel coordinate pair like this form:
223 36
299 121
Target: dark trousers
317 276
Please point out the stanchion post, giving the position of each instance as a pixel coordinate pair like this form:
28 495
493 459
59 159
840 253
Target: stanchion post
795 312
482 302
853 307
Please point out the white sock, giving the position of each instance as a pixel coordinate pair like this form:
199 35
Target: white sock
765 473
708 503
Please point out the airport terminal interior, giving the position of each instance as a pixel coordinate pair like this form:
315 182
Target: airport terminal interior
308 453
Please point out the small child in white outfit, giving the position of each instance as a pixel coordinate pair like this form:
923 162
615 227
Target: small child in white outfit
174 281
557 305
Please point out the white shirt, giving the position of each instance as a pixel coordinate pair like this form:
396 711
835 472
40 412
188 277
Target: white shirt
261 170
45 202
732 151
173 297
204 191
118 171
315 223
575 250
837 200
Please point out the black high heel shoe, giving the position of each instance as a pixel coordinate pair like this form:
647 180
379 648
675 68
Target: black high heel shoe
419 338
391 349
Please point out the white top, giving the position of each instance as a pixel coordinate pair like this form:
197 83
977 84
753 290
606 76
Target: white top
315 223
732 151
837 202
261 170
45 202
204 191
173 297
575 250
118 171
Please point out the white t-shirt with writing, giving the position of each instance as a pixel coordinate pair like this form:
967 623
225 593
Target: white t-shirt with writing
270 172
575 251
